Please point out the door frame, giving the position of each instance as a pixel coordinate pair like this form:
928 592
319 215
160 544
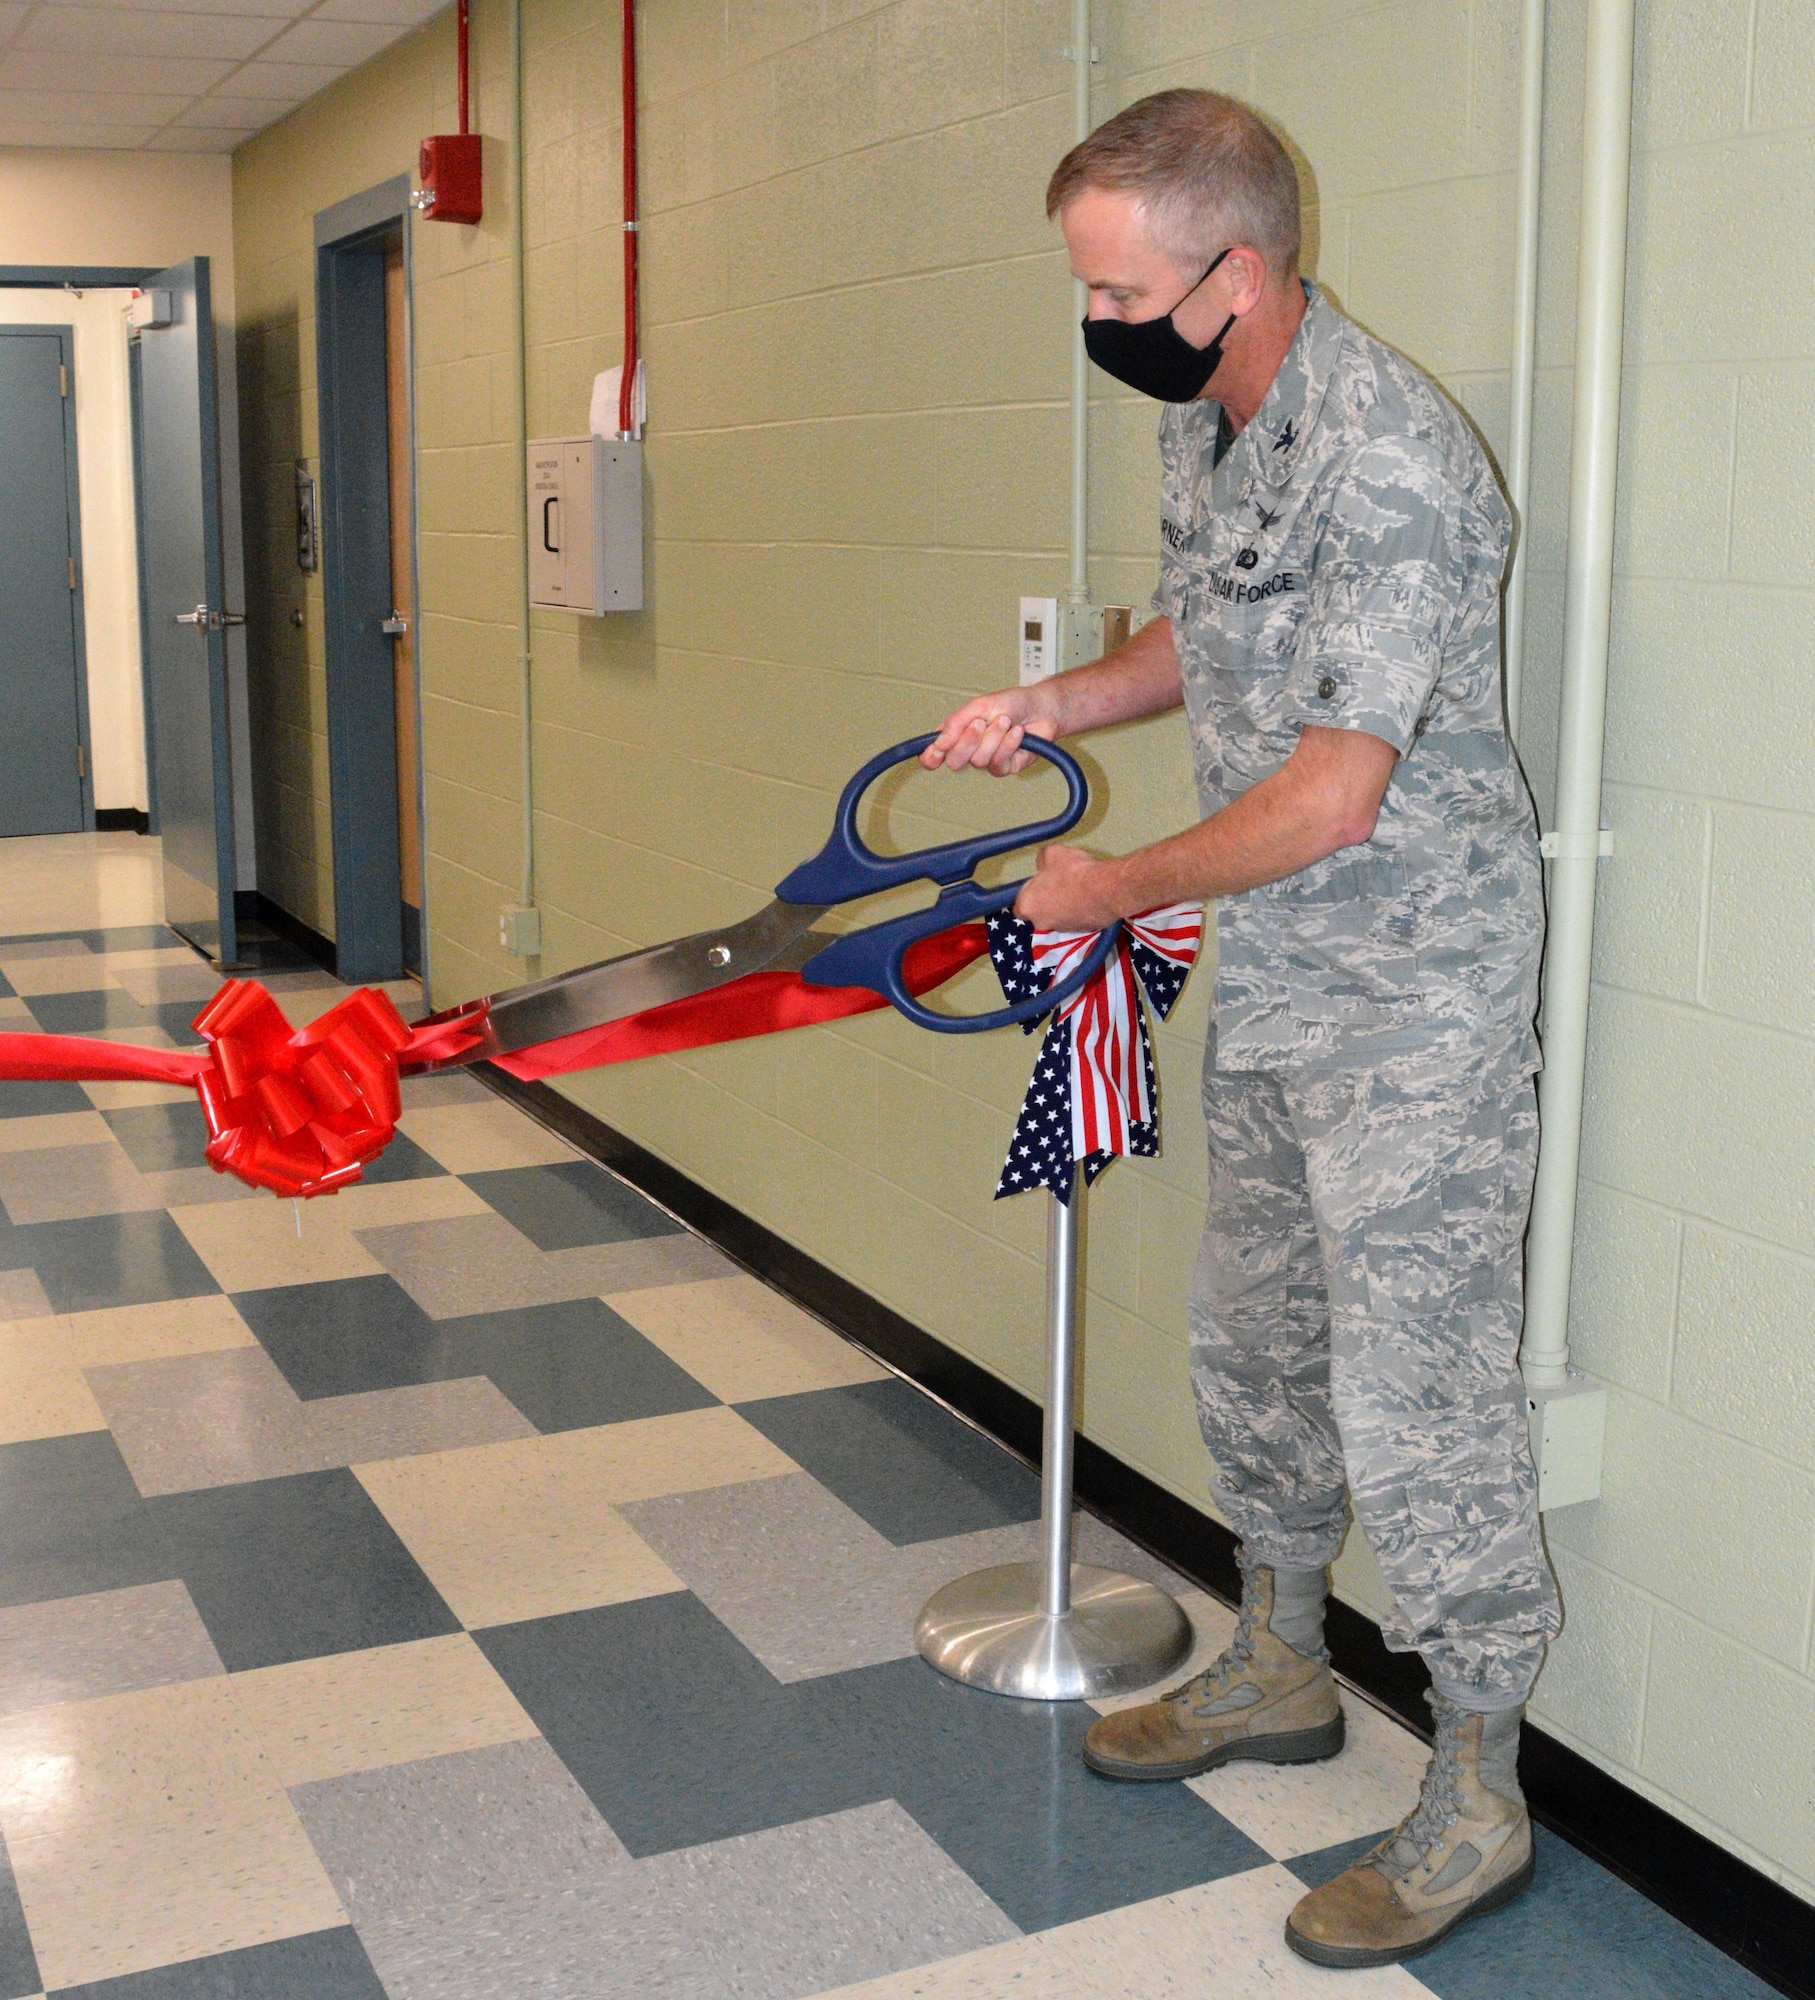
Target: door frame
356 575
84 278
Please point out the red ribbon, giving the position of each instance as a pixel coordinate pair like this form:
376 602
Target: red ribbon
304 1112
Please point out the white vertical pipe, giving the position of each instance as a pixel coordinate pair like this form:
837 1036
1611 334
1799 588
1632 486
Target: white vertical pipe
1587 612
1524 339
1077 589
526 747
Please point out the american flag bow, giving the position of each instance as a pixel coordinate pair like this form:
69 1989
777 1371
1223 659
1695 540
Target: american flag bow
1094 1093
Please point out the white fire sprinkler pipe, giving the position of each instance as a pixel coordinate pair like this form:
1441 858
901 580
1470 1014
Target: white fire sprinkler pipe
1575 844
1077 589
1524 339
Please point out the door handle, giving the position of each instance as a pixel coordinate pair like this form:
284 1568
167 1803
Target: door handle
210 621
548 506
199 616
395 626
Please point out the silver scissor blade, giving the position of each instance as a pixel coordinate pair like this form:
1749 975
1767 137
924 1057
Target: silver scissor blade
591 996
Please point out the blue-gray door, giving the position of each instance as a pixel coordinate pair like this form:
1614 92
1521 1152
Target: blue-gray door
41 668
183 594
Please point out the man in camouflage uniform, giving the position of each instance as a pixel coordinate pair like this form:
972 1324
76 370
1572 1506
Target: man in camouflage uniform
1333 542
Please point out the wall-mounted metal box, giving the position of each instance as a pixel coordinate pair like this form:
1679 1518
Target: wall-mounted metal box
586 524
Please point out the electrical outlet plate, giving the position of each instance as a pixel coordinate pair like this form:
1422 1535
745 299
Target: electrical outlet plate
1568 1422
520 930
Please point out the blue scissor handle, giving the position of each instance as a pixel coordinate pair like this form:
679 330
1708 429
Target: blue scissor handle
847 867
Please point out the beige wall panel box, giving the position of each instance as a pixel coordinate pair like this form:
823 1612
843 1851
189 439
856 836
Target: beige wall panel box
586 524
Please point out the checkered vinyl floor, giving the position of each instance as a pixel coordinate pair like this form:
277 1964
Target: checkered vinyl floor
486 1590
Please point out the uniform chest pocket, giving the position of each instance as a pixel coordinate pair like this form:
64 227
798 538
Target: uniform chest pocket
1347 935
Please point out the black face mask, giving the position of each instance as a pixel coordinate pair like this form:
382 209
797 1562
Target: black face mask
1151 355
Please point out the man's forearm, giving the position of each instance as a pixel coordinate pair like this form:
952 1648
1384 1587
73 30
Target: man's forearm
1325 796
1141 677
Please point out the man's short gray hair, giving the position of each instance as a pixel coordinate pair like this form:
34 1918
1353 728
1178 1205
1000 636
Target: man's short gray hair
1206 173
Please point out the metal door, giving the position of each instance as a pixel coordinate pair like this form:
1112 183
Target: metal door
42 768
182 590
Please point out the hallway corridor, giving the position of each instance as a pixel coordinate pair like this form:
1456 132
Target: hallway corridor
476 1587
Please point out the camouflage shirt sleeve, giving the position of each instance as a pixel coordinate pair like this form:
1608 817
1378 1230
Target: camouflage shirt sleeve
1175 516
1386 576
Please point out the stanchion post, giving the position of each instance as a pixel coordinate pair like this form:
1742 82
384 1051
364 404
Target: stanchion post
1055 1630
1061 1396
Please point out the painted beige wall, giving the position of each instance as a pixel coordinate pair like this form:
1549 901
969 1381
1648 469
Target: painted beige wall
110 570
856 321
66 207
1687 1665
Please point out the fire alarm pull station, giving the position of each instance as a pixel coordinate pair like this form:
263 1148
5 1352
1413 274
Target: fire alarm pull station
586 524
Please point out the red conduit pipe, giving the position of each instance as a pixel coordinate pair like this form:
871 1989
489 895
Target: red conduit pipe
627 387
460 37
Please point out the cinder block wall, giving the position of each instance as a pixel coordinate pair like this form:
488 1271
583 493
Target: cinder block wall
856 323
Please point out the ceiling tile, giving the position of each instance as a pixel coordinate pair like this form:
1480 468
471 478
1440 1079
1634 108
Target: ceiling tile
226 113
291 82
400 13
343 42
47 69
24 132
56 108
273 10
128 32
180 139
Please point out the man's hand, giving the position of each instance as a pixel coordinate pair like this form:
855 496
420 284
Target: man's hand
987 733
1070 891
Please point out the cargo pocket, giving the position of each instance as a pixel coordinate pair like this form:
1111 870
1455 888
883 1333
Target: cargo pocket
1347 930
1407 1258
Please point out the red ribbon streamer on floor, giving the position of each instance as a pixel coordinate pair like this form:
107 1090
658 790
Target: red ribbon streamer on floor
304 1111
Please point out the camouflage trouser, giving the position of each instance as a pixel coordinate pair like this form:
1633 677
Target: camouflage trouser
1355 1328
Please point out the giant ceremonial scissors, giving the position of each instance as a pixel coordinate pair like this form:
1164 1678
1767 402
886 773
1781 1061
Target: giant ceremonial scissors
785 936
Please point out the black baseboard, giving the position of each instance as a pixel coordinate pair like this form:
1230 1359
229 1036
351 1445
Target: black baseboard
1732 1905
253 905
122 819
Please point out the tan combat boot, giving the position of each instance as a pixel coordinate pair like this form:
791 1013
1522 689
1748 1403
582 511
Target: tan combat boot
1464 1851
1259 1700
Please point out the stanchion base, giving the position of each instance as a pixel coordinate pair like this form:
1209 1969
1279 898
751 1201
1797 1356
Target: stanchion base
988 1630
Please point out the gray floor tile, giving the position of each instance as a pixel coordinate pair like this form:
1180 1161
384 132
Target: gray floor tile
18 1962
290 1569
218 1419
635 1267
74 1521
811 1588
109 1641
26 1099
448 1086
154 985
189 1187
320 1965
680 1737
467 1874
470 1264
61 1183
107 1260
577 1202
914 1471
798 1909
488 1876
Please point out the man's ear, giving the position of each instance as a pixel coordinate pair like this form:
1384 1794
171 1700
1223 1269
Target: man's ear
1247 278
